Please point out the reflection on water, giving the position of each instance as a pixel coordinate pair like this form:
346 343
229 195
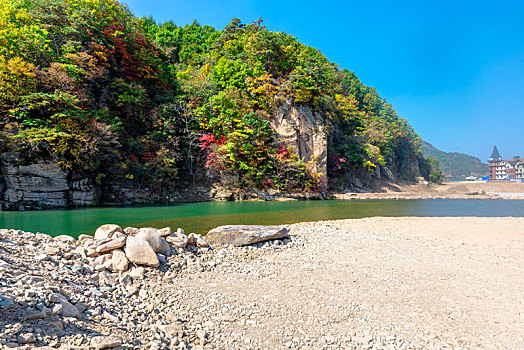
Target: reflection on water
201 217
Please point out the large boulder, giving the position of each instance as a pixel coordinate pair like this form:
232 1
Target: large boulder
107 231
155 240
140 252
241 235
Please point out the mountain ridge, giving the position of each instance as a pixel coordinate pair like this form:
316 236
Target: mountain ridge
455 164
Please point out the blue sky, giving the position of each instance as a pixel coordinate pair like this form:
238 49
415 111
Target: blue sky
453 69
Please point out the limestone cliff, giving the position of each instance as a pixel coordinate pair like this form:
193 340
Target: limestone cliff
299 128
41 184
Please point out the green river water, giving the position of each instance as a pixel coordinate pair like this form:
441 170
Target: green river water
201 217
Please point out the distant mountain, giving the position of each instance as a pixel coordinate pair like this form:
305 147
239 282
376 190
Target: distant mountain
456 164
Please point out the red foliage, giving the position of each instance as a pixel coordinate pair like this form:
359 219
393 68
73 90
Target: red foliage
339 163
283 153
125 49
266 183
148 156
211 160
209 140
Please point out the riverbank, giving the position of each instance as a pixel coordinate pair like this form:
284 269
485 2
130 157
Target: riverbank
412 283
447 190
473 190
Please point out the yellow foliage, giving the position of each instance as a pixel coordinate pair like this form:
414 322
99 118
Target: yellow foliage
348 105
303 95
262 89
16 79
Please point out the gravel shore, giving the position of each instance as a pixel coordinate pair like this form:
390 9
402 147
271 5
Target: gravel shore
376 283
447 190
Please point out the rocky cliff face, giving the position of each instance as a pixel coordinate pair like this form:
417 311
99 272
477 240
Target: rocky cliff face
304 131
396 170
40 185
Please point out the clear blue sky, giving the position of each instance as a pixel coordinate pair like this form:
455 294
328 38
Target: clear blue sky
454 69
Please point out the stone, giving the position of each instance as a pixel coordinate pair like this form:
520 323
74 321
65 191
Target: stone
201 242
112 244
42 257
120 261
81 251
118 235
191 239
242 235
81 307
55 297
172 330
143 294
26 338
6 302
66 239
52 250
43 237
110 317
68 309
58 325
16 328
35 315
102 259
126 280
166 231
91 252
157 242
131 231
105 342
82 238
108 264
106 278
137 272
140 252
177 240
107 231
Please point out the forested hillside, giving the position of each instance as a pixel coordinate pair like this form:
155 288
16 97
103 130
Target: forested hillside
122 100
455 164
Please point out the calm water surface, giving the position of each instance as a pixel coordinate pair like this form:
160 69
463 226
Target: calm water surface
201 217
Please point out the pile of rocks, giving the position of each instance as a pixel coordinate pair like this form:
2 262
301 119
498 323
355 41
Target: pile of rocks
113 289
113 249
62 292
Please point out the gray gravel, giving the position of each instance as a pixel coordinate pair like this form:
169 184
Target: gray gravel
378 283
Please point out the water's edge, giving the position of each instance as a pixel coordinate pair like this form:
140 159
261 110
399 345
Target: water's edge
202 216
